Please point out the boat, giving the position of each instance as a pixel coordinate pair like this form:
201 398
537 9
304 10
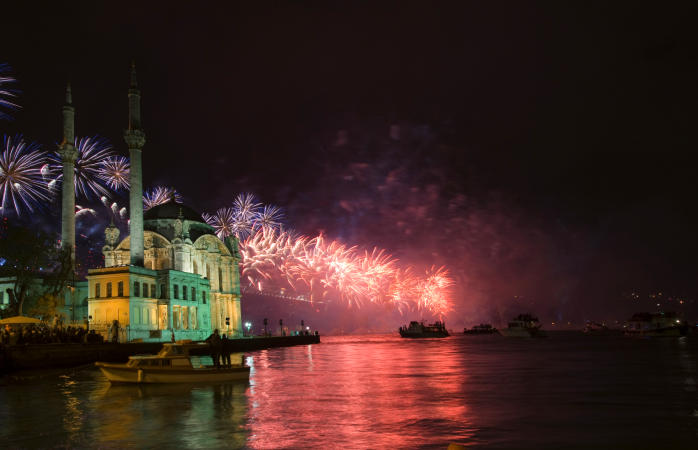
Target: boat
524 325
419 330
593 327
173 364
659 324
483 328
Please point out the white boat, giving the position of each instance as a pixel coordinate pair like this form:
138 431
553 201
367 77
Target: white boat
173 365
419 330
525 326
659 324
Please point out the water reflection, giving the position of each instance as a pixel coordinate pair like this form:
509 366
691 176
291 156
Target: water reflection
384 392
86 411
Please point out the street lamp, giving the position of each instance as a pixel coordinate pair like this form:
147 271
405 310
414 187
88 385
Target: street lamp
281 327
265 327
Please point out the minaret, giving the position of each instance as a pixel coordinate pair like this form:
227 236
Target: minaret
135 138
68 155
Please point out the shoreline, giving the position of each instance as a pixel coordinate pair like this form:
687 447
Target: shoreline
41 357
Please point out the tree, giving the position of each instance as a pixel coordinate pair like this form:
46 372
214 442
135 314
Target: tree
29 255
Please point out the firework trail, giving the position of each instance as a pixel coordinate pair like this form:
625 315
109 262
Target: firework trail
4 92
158 196
92 154
115 172
81 212
334 267
123 213
20 176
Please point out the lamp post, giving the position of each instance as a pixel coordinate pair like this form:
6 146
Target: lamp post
265 327
227 324
302 325
281 327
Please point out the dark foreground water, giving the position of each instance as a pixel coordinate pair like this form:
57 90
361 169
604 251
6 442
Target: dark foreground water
569 391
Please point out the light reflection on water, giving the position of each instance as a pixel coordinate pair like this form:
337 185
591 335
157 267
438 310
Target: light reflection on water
568 391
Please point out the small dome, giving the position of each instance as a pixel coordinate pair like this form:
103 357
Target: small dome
171 210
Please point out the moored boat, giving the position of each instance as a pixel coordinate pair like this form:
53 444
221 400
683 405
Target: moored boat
483 328
173 365
524 325
657 324
593 327
419 330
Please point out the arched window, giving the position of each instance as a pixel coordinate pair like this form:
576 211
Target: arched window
208 272
162 291
184 292
203 296
176 291
136 289
196 268
220 279
193 293
145 290
136 315
97 290
152 291
109 289
120 289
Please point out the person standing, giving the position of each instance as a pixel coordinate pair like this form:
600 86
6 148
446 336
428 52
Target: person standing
225 350
115 331
214 341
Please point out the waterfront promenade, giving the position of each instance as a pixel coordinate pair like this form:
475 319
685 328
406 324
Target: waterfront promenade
51 356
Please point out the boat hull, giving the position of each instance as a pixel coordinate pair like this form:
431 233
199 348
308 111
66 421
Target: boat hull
523 333
423 335
662 332
479 332
117 374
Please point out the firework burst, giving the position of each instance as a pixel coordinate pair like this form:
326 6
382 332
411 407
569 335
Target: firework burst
20 176
4 92
115 172
223 222
92 154
270 216
158 196
357 277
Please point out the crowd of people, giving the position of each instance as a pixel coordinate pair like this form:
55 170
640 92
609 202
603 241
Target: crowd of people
47 334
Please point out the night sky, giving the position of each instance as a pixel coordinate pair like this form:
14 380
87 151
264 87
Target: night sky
544 150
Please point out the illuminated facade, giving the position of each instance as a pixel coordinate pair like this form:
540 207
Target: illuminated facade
172 273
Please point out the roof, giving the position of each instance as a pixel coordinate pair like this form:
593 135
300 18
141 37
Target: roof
171 210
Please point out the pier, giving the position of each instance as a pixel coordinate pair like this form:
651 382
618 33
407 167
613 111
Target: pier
52 356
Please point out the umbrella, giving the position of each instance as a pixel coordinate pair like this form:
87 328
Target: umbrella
19 320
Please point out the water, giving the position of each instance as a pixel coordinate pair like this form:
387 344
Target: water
568 391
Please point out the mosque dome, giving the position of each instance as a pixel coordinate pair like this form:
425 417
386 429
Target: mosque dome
161 219
171 210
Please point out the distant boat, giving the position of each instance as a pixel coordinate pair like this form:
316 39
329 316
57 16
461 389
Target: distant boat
480 329
658 324
593 327
419 330
524 325
172 365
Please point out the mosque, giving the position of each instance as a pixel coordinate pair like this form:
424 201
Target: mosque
172 274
